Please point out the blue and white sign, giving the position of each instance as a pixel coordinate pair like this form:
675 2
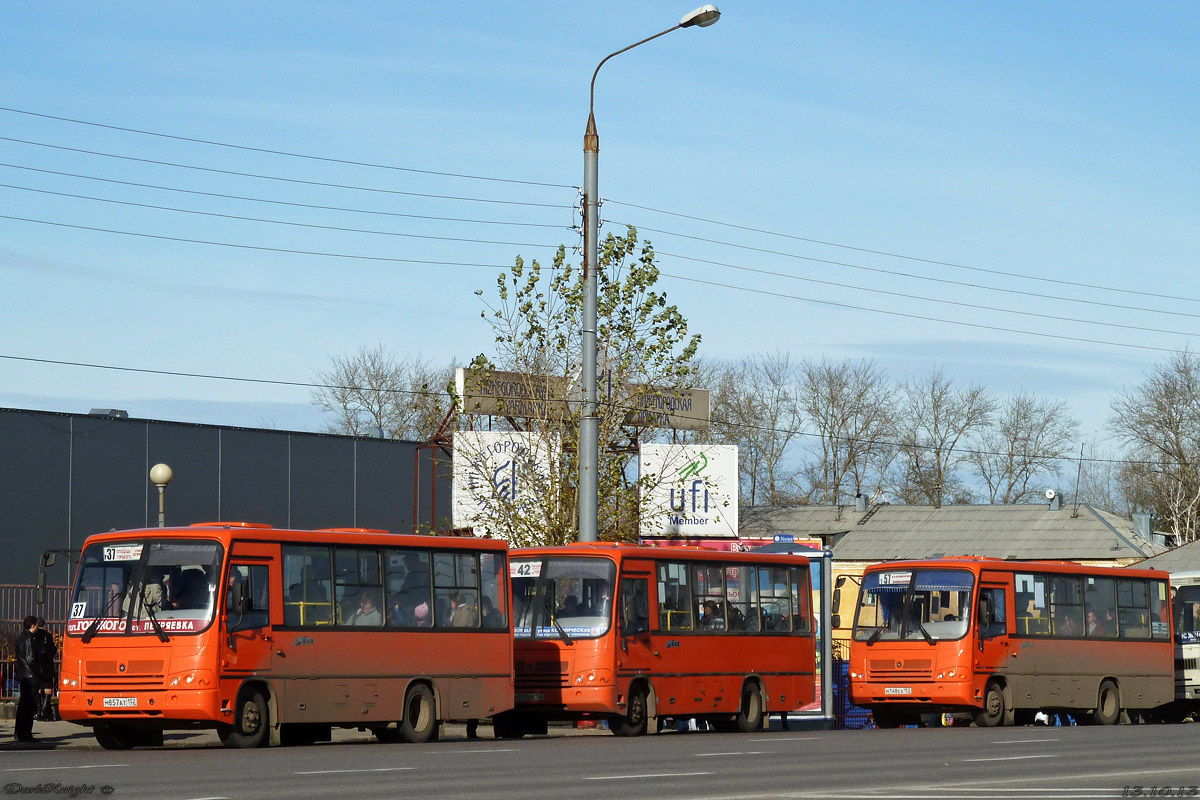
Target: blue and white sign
499 474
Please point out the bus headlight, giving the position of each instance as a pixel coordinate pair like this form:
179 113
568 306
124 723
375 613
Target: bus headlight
191 679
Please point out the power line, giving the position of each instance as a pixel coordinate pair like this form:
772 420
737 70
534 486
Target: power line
288 203
352 256
281 179
567 401
881 253
921 317
343 229
287 153
905 296
947 281
240 218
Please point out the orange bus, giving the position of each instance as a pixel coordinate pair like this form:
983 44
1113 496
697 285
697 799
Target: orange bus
1005 639
632 635
275 636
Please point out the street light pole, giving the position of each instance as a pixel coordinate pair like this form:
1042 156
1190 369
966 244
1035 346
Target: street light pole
589 421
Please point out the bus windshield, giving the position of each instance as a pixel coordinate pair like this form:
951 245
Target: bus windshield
562 597
930 604
127 587
1187 613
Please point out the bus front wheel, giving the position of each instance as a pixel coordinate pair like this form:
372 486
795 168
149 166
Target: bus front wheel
420 716
992 713
115 737
633 723
1108 705
250 723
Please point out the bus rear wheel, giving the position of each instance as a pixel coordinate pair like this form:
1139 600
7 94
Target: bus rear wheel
992 713
420 716
1108 705
750 712
633 723
250 723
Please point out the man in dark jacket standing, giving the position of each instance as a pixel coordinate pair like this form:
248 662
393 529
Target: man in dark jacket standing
29 676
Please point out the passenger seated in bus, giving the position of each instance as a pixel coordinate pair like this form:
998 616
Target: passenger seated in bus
711 617
420 615
570 606
490 616
463 613
1094 626
368 612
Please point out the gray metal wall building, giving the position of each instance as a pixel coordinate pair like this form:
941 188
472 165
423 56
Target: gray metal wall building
66 476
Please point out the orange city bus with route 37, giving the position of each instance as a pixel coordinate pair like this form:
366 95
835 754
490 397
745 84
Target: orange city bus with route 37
275 636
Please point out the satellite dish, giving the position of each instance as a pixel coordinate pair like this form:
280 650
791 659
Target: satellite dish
1049 494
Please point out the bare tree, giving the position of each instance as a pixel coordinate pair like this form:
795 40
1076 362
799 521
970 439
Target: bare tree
936 416
1025 443
851 405
371 389
1104 481
754 407
1159 423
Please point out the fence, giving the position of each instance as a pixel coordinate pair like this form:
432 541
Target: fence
17 601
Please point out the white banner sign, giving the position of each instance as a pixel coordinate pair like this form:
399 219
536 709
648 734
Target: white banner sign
496 474
693 490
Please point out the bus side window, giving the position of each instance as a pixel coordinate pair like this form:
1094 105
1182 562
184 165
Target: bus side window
635 606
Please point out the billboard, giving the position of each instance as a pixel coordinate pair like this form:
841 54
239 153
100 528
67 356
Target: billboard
497 474
691 490
515 394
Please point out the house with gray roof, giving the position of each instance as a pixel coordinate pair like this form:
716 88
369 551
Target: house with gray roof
1185 558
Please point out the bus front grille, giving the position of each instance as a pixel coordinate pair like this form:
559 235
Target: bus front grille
541 675
123 675
906 669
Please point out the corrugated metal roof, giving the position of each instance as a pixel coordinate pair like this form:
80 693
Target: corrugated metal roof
1184 558
1016 531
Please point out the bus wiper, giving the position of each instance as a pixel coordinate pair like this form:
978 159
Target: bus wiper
158 629
90 633
874 637
925 633
557 626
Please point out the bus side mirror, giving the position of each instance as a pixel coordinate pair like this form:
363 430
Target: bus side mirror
837 598
835 620
48 559
841 581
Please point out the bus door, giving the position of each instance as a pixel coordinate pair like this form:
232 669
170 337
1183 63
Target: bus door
992 651
248 643
635 654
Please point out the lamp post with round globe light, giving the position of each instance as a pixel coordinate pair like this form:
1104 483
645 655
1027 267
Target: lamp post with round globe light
160 476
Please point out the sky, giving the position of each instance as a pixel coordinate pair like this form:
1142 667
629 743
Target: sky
201 204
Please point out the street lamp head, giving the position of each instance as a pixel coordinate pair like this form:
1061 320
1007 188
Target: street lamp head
702 17
160 475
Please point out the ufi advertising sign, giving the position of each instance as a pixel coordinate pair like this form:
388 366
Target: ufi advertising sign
690 489
499 474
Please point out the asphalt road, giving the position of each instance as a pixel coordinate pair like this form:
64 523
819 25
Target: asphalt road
914 763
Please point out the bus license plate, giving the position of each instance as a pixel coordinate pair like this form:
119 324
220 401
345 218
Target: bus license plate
530 697
120 702
897 690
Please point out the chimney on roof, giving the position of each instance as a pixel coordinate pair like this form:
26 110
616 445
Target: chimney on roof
1055 500
860 503
1141 525
118 413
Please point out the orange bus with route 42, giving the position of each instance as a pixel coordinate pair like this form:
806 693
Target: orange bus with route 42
632 635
